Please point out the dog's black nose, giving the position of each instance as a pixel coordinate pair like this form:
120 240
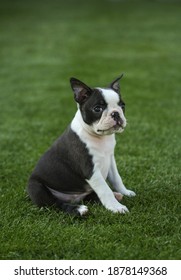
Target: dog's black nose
115 115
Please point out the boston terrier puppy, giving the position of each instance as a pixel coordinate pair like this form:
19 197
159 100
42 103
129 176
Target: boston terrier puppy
82 158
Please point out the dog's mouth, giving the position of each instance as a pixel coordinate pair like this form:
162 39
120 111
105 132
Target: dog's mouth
110 126
111 130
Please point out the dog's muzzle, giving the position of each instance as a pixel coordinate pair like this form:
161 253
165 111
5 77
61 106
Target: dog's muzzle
116 117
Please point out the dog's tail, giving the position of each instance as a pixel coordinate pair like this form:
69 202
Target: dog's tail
42 197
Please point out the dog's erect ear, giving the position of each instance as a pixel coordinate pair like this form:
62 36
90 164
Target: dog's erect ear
81 91
115 84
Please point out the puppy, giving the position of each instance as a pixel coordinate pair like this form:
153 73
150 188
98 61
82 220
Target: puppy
82 158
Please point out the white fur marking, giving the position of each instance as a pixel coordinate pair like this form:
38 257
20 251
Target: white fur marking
110 96
82 209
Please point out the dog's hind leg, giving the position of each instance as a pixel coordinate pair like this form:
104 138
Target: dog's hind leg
42 196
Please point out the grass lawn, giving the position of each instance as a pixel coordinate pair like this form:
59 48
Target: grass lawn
42 44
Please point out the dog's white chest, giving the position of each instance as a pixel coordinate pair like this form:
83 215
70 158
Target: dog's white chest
101 149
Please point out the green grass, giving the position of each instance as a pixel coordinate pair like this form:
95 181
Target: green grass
42 44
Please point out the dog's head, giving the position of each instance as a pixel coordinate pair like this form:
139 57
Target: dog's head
102 109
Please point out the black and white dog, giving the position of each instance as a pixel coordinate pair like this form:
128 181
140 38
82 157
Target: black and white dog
82 158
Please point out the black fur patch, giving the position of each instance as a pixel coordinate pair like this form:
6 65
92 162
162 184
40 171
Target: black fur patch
87 109
61 169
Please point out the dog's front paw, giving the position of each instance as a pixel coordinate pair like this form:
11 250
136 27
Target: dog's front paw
129 193
118 208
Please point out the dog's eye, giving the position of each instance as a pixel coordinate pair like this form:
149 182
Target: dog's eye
98 109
